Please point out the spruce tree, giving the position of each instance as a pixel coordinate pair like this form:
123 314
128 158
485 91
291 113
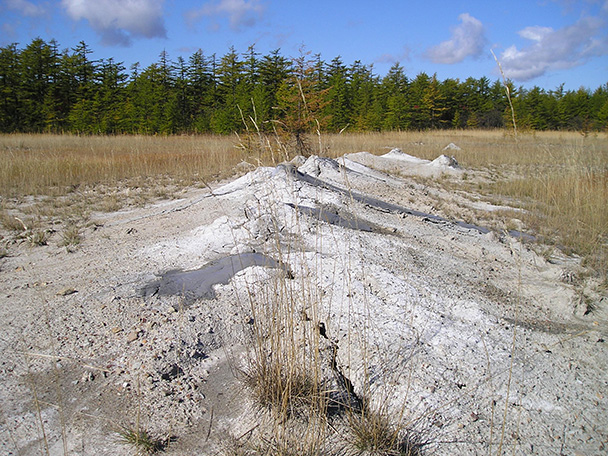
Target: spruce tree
338 108
10 78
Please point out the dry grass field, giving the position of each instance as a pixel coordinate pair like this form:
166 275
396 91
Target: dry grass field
560 179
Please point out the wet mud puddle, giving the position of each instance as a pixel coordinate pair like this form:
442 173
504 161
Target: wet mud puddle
198 283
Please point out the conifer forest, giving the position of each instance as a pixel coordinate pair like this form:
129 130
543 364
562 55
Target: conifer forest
47 89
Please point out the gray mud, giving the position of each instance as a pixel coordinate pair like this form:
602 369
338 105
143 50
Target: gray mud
198 283
333 218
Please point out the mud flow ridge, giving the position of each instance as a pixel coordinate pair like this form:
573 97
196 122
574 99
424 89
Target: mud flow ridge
333 218
389 207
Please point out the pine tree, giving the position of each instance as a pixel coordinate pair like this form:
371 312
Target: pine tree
301 103
178 106
499 103
150 93
361 90
599 107
248 98
434 102
110 96
574 110
452 104
200 96
82 73
274 69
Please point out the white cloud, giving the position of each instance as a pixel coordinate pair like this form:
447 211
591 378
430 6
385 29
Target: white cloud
240 13
26 8
535 33
551 50
119 21
467 40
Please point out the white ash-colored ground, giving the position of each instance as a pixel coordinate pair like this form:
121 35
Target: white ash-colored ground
473 335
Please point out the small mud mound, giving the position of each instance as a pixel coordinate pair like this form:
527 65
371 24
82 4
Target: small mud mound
398 162
398 154
443 161
452 146
315 166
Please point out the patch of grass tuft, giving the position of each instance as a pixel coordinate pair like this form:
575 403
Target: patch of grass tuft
71 237
141 441
37 237
373 433
10 222
283 389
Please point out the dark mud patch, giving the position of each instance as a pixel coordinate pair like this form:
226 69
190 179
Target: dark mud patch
198 283
334 218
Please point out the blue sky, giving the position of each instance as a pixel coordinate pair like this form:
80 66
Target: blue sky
539 42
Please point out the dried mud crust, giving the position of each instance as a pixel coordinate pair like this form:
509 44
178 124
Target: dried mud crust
449 324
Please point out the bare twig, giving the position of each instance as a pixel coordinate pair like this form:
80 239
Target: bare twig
508 91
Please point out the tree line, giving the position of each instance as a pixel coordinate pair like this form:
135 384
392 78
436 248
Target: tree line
45 89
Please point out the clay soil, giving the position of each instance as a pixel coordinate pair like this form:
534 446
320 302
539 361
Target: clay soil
472 338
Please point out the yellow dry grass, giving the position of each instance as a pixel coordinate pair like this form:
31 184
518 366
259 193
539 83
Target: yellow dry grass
53 164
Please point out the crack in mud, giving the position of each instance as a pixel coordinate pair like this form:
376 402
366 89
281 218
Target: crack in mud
344 396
